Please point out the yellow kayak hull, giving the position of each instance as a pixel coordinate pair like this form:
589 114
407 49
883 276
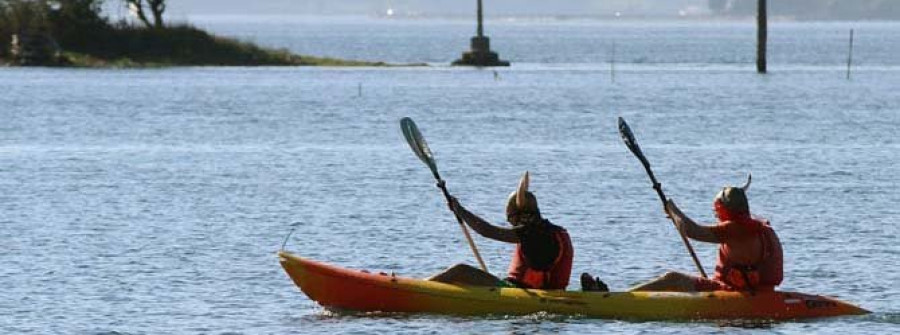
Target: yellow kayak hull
336 287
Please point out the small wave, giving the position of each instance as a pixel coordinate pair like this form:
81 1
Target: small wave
891 318
543 316
746 324
338 313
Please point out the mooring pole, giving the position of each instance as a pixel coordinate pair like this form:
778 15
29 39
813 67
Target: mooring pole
480 18
850 55
761 36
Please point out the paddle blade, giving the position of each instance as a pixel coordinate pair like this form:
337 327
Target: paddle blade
417 142
628 137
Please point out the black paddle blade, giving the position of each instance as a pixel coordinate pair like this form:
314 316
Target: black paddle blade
417 142
628 137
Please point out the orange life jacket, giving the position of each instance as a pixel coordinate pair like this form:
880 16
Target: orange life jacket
556 277
763 275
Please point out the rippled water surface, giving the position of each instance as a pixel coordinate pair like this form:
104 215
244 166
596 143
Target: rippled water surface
153 201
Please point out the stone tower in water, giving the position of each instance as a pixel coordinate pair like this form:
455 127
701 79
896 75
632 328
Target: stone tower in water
480 53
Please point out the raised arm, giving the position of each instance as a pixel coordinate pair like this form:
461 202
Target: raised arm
483 227
690 228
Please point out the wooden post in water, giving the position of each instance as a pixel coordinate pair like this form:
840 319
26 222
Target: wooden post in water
761 36
850 55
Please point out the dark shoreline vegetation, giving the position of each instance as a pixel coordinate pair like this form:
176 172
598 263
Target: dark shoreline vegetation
73 33
185 45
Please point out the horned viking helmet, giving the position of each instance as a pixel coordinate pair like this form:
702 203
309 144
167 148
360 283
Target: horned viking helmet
734 199
522 201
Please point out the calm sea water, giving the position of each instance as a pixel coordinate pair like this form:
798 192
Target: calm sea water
153 201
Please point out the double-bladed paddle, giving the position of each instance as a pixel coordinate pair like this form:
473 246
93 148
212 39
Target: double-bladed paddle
632 145
420 148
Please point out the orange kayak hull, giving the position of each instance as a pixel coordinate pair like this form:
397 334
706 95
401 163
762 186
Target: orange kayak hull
336 287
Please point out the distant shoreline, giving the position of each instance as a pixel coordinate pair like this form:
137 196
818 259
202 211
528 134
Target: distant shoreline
185 45
78 34
127 46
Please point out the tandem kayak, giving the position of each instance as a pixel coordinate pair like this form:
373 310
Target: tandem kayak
336 287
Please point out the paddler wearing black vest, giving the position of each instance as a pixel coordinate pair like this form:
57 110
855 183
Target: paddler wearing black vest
543 255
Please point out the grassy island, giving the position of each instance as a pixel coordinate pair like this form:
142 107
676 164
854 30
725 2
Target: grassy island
75 33
184 45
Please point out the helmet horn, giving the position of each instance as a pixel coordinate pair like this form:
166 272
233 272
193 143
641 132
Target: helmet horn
747 185
521 199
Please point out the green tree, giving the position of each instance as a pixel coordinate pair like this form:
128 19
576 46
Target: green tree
77 24
141 7
21 17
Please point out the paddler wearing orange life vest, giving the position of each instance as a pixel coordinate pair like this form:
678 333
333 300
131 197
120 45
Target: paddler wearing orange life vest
543 255
750 255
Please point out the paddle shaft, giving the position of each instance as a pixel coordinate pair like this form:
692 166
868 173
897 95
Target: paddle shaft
662 197
420 148
459 220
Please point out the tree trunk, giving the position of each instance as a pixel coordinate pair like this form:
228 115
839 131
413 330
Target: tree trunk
157 7
137 7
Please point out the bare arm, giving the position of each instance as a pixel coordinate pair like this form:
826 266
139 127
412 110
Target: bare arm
483 227
690 228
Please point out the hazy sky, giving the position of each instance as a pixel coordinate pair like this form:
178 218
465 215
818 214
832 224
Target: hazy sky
801 9
439 7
